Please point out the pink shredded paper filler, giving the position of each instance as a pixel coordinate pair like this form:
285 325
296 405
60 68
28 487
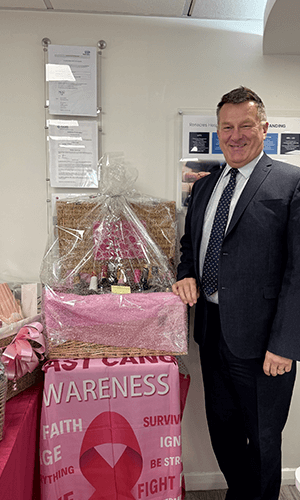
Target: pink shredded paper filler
151 321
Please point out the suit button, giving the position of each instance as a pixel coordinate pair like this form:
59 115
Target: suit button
224 253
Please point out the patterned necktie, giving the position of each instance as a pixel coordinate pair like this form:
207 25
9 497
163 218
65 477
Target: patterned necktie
211 261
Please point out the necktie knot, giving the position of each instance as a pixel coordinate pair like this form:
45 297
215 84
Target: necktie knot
211 261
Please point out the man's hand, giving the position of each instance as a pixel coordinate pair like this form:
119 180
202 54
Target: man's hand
187 290
276 365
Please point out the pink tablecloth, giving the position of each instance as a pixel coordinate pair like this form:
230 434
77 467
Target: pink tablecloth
18 449
110 429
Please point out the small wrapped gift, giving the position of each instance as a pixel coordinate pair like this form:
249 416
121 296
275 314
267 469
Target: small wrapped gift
23 357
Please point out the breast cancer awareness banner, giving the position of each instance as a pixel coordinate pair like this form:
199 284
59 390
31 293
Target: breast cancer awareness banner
110 429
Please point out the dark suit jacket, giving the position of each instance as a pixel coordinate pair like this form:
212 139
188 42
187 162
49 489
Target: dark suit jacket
259 270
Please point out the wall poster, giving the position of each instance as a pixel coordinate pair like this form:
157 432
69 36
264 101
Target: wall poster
73 153
72 75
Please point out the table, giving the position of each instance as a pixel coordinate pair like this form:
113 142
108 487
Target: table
19 479
110 429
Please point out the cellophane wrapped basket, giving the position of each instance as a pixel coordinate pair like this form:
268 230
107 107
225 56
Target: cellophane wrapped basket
108 273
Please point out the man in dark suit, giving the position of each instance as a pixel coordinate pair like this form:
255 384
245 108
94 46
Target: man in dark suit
240 265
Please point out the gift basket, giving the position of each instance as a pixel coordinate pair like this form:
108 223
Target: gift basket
19 314
107 274
23 358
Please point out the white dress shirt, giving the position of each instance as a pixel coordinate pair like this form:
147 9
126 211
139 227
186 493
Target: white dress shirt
241 181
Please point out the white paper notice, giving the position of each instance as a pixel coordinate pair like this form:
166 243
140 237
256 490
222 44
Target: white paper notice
72 76
73 153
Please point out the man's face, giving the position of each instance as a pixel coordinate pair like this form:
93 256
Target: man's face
241 133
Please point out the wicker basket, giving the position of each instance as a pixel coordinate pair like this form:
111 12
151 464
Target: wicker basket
29 379
81 350
159 220
110 326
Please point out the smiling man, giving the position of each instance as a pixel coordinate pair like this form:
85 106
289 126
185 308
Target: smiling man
240 265
241 132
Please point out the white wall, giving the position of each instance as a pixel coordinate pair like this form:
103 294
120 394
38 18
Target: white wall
151 68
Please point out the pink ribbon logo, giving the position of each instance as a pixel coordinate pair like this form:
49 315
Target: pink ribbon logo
20 357
111 482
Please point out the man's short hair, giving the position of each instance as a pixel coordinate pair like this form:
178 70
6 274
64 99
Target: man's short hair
243 94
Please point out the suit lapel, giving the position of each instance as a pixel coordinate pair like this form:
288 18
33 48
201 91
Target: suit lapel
258 176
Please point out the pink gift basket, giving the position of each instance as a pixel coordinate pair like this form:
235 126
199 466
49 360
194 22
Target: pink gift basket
108 271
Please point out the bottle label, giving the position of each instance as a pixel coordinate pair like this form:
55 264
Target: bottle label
120 289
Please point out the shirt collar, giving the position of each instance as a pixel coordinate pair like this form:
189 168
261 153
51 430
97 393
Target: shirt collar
246 170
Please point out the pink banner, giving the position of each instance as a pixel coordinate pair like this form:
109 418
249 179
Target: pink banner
110 430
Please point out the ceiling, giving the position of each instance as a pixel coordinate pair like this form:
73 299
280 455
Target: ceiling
279 19
196 9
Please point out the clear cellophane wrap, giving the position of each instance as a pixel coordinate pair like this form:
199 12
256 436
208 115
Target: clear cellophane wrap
108 272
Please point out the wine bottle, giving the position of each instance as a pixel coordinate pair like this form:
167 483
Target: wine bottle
111 274
144 278
93 287
154 282
102 283
137 284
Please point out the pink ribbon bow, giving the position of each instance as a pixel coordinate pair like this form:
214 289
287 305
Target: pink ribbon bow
20 357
